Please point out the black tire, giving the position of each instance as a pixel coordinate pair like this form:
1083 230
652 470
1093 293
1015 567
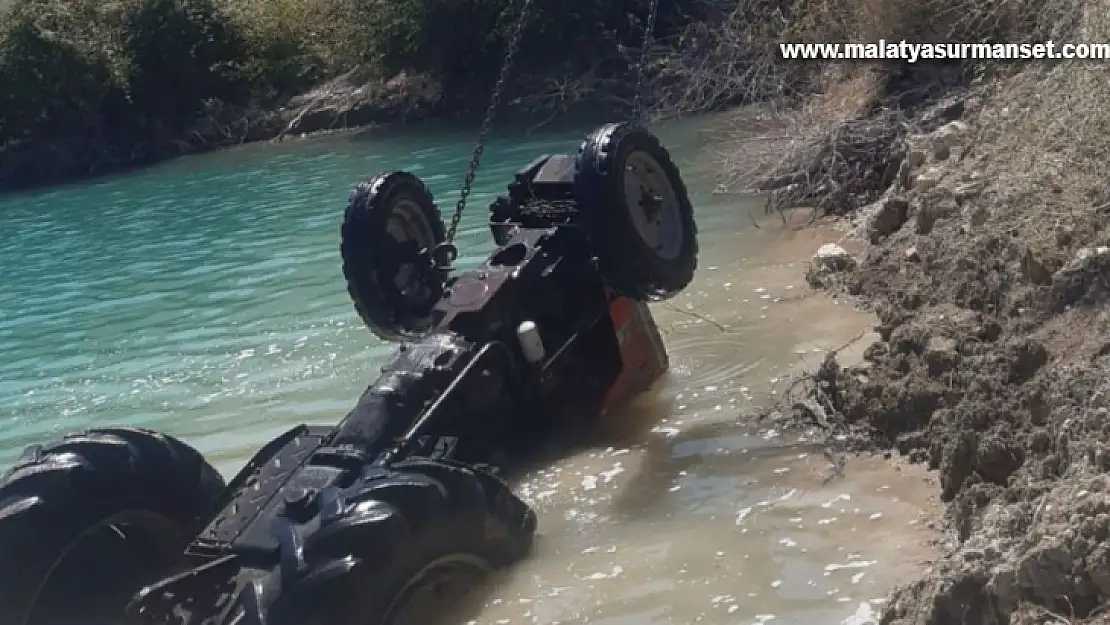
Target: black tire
87 521
371 258
429 518
630 265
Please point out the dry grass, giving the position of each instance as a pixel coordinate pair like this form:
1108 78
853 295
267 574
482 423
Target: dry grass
825 133
830 152
1046 137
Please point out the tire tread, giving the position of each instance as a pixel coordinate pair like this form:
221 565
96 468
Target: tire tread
629 266
55 492
369 296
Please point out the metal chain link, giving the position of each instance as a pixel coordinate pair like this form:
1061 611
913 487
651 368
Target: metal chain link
448 247
487 122
645 49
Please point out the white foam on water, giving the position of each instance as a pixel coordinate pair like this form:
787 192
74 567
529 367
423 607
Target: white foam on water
864 615
857 564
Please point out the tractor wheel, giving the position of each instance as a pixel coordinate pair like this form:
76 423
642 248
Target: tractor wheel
424 535
639 213
87 521
389 231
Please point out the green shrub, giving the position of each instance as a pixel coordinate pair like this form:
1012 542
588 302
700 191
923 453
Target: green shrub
83 67
130 68
180 53
50 83
454 38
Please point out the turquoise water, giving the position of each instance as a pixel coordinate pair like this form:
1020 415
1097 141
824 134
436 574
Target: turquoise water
203 297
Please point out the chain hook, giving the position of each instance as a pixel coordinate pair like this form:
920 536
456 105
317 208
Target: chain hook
444 256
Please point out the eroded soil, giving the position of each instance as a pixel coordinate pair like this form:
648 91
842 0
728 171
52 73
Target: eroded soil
993 367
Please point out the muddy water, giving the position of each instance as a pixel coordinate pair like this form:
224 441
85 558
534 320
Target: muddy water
684 514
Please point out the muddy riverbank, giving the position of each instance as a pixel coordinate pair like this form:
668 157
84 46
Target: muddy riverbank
987 260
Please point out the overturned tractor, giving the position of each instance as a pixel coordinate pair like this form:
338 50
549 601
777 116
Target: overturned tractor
366 522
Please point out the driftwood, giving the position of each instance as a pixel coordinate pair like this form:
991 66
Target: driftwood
848 167
337 88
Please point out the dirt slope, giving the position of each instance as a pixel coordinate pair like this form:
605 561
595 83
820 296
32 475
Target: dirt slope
987 260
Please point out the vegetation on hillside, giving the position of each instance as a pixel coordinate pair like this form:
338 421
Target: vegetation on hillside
827 132
131 80
91 85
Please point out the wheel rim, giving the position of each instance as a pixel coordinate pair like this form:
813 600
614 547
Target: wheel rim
406 222
100 570
444 583
652 204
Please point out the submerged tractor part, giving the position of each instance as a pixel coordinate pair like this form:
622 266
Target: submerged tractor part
397 509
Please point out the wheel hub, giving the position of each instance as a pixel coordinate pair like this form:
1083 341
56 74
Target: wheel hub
652 205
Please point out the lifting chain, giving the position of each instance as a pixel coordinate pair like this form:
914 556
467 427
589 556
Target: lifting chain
445 254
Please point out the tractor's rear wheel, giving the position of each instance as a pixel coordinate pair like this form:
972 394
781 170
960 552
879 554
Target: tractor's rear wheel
426 534
87 521
639 212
